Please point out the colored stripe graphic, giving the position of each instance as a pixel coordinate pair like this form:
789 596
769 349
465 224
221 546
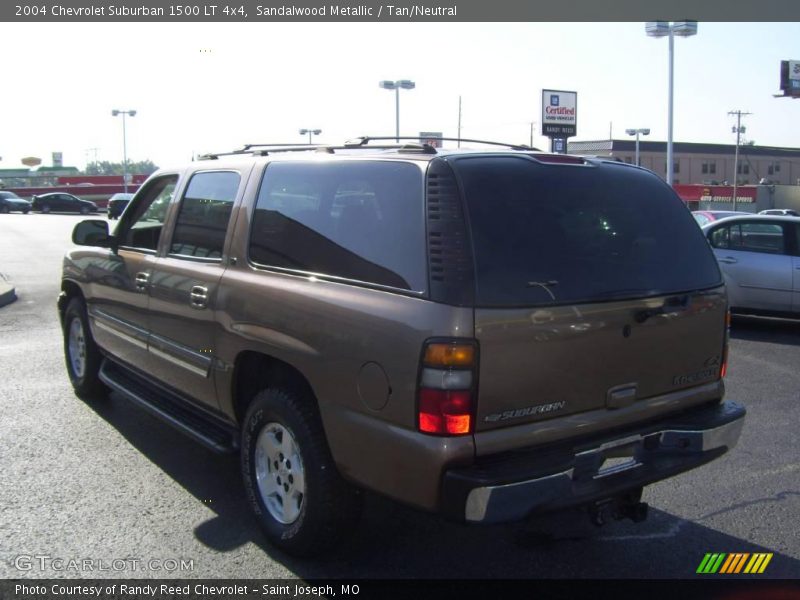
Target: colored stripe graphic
711 563
734 563
758 563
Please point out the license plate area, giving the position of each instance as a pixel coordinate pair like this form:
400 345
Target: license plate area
609 459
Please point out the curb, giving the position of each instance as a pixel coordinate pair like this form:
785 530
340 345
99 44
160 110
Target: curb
7 292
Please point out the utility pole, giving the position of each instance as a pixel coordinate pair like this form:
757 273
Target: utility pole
738 130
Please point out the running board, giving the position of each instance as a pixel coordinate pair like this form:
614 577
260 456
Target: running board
171 408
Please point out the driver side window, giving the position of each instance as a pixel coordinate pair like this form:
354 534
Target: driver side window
141 228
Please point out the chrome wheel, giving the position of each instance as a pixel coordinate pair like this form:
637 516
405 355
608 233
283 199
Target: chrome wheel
77 348
279 473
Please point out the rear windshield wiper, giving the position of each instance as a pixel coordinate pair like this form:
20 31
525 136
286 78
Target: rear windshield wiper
545 285
622 294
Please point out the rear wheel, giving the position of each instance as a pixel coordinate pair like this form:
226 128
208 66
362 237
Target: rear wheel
84 210
5 210
46 209
82 356
303 504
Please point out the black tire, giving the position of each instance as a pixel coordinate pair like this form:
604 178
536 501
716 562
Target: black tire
328 507
5 210
84 210
26 211
45 209
83 358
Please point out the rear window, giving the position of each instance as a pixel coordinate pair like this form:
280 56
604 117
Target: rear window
553 234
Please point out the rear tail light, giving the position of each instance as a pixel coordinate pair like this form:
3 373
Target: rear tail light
446 391
723 370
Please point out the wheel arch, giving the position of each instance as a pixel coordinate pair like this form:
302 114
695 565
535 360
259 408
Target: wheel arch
69 290
254 371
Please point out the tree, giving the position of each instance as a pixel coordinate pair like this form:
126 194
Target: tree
142 167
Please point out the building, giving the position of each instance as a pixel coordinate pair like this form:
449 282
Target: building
703 164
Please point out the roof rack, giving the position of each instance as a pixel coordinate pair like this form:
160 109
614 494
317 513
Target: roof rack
362 142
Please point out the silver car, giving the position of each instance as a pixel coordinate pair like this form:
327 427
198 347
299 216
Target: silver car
759 256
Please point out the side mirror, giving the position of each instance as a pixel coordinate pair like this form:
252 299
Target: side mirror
93 232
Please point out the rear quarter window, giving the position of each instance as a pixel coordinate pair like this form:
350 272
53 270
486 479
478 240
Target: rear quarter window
562 234
356 220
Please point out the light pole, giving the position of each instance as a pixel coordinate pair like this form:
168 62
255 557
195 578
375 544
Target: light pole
131 113
310 132
396 86
636 132
738 130
671 29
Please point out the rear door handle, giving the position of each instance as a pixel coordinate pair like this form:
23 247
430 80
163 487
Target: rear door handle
142 281
728 260
198 297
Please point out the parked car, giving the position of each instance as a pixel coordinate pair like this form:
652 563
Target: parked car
10 202
467 332
704 217
61 202
760 258
780 211
117 203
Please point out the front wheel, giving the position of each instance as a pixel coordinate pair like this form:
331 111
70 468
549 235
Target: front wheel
302 503
82 356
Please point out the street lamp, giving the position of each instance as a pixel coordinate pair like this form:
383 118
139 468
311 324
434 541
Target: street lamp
636 132
662 29
131 113
310 132
396 86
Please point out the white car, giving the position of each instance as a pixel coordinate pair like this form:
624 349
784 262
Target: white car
759 256
780 211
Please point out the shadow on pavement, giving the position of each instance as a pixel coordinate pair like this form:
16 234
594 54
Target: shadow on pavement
766 329
393 541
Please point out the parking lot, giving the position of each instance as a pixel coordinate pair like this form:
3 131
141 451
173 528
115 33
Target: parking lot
105 482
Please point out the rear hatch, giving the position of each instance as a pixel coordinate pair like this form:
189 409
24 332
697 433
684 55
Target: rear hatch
595 289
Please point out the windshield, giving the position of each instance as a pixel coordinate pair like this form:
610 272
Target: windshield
561 234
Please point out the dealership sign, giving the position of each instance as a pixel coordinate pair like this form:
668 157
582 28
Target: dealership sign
790 77
716 193
559 113
432 138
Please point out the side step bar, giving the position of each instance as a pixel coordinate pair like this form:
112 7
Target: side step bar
202 427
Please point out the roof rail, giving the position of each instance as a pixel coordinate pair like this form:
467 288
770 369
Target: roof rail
358 143
364 140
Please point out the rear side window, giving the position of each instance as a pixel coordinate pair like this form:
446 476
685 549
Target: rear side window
204 214
562 234
766 238
359 220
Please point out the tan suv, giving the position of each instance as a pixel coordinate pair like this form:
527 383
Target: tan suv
486 333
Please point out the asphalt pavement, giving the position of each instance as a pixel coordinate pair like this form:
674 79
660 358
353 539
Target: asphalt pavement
106 482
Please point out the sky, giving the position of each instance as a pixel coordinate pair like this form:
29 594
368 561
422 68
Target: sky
212 87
